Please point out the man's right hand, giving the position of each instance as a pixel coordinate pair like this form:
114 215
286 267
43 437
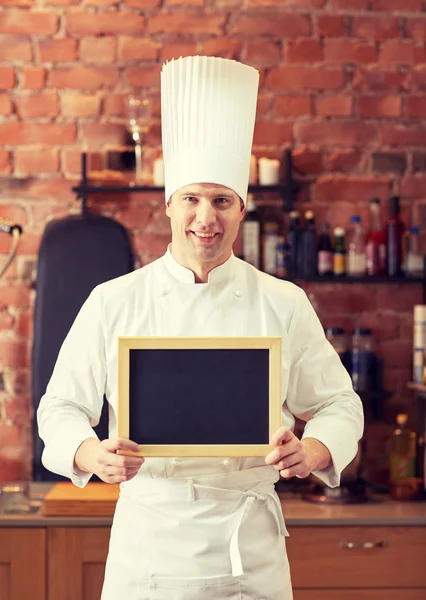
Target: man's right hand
101 458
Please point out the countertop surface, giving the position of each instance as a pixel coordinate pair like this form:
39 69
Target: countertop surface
379 511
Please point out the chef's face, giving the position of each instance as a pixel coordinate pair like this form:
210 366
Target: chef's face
205 219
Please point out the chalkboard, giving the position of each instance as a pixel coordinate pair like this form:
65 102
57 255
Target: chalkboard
199 396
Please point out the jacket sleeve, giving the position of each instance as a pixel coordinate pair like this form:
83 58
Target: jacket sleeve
320 391
73 401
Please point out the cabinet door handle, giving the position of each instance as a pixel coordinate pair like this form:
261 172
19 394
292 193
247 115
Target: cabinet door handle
363 545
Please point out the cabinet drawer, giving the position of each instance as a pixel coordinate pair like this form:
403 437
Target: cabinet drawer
419 594
357 557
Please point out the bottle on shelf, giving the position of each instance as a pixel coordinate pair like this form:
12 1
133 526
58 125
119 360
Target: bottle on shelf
325 251
251 233
339 252
395 231
294 232
271 238
282 258
363 360
414 259
309 246
355 264
402 458
375 247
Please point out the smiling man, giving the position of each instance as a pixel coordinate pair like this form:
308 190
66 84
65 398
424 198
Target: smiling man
200 528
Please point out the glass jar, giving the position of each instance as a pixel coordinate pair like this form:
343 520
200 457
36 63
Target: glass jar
363 368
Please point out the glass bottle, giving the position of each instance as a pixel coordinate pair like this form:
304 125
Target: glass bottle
309 246
339 252
337 338
251 233
363 360
325 251
395 230
271 239
414 259
375 247
402 454
293 239
355 266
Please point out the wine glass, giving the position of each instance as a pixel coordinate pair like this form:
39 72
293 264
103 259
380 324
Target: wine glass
139 114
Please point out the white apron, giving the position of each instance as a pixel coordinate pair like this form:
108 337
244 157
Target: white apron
213 537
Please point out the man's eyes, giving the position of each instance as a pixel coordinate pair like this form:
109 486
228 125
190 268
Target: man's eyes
218 200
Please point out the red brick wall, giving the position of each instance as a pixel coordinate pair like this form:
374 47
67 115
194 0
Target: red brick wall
343 82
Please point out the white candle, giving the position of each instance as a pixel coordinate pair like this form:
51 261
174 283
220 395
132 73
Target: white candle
269 171
158 172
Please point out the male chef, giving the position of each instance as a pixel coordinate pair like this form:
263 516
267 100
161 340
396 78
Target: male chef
200 528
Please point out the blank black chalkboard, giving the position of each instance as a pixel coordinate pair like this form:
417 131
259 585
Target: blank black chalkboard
198 401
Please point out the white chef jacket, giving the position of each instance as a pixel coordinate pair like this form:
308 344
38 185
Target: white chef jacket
162 299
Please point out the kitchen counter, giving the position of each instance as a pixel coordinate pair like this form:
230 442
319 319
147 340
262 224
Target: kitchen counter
381 511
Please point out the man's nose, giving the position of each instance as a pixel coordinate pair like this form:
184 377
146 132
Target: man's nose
206 214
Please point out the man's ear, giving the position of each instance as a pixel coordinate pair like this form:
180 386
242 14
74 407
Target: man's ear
169 201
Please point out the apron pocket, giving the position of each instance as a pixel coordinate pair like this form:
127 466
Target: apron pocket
224 587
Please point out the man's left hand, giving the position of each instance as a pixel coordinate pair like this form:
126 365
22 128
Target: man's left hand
294 457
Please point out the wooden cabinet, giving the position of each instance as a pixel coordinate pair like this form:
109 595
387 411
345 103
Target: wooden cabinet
22 563
357 563
77 557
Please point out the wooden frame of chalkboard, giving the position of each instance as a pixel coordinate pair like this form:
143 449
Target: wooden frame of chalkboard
199 396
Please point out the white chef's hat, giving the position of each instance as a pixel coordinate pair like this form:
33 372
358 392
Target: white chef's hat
208 110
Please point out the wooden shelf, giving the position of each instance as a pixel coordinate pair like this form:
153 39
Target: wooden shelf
364 279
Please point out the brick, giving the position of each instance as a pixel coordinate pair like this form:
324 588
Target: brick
334 188
80 105
16 133
143 3
268 133
263 107
222 47
25 3
402 298
132 216
397 5
185 3
149 246
307 162
18 411
102 2
285 3
15 469
37 105
7 322
331 25
397 52
349 51
143 76
57 50
375 27
413 186
17 296
107 23
278 25
416 27
6 106
81 77
379 106
378 79
133 48
36 160
338 105
101 49
41 212
16 49
396 134
262 53
396 353
385 162
21 381
292 105
419 161
349 4
419 54
24 324
24 22
115 105
14 354
38 189
33 78
189 23
305 77
344 161
169 51
5 162
337 133
304 50
7 78
62 2
417 78
97 135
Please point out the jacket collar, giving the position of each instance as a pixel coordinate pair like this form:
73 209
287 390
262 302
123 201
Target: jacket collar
219 274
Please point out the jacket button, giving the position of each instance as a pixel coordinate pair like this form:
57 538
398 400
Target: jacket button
238 293
226 462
